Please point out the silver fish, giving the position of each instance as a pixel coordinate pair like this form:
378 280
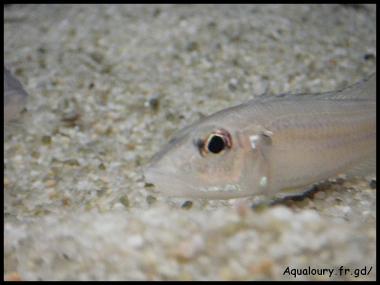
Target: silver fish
271 144
14 97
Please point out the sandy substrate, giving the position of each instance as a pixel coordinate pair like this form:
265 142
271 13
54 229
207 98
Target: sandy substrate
108 86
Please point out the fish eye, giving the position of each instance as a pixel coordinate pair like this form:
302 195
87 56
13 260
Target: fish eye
216 142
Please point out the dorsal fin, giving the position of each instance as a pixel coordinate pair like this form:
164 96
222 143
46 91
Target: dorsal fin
364 89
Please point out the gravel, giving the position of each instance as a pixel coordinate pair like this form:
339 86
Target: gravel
109 84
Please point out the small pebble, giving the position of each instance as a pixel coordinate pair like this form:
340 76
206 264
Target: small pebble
187 205
148 186
135 240
192 46
339 180
66 201
101 192
97 57
151 199
264 267
156 12
70 116
41 50
50 183
372 184
189 249
130 146
232 85
282 213
369 56
125 201
46 140
35 154
338 200
259 207
153 103
72 162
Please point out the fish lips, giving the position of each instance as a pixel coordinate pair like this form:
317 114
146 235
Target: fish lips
172 184
169 184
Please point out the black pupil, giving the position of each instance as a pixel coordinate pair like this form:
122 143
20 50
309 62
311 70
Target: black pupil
216 144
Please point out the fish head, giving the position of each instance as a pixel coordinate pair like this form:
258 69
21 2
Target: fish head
208 160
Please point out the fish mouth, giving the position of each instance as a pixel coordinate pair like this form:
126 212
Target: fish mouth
169 184
175 185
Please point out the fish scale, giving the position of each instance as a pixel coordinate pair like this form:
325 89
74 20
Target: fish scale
327 145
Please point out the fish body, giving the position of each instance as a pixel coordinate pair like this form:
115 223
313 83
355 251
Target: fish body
14 97
271 144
